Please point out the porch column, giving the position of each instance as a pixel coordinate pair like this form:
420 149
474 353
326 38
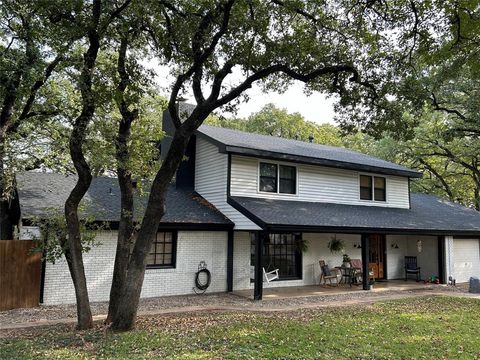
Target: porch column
441 260
258 281
365 261
230 261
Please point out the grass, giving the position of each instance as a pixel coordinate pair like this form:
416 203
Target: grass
428 327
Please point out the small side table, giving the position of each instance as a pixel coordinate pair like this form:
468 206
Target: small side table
347 273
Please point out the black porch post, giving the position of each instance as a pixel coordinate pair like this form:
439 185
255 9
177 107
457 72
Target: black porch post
258 289
365 260
441 260
230 261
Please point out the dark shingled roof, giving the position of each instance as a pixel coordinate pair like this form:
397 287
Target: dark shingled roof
39 193
429 214
240 142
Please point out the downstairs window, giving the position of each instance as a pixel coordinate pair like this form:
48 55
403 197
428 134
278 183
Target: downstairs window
163 251
281 251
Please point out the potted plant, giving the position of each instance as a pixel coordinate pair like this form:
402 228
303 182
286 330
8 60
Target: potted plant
346 260
336 245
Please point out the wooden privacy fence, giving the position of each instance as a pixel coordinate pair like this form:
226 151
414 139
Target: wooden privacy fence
20 274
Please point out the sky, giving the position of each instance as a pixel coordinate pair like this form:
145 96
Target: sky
315 107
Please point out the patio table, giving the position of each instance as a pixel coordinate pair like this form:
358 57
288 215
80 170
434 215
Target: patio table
348 275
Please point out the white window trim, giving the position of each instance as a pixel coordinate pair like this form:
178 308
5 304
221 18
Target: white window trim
373 189
278 163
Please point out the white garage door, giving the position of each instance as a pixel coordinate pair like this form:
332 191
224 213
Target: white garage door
466 259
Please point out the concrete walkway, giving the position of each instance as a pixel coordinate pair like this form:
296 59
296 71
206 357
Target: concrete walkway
233 308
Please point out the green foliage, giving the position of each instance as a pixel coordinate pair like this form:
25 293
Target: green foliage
52 242
273 121
336 245
432 327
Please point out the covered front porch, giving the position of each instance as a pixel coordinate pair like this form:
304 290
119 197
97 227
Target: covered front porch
381 254
277 293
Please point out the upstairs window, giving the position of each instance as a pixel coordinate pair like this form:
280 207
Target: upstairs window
268 177
379 187
288 179
280 179
373 188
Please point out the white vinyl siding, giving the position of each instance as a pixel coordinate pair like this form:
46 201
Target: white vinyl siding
316 184
466 259
211 182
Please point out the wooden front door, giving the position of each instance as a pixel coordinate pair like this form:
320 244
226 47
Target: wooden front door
377 255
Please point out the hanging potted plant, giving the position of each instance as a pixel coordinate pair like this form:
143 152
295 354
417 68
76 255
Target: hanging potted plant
346 261
301 245
336 245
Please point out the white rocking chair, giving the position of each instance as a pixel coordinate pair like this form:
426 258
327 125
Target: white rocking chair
271 275
267 276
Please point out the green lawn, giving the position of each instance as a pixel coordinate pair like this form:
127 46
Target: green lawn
430 327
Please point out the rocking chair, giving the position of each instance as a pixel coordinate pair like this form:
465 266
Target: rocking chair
411 267
327 274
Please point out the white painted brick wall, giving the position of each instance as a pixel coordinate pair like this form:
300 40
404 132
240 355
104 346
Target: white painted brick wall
192 247
241 260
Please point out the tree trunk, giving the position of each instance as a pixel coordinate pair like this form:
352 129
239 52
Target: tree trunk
122 153
124 318
74 240
77 138
126 226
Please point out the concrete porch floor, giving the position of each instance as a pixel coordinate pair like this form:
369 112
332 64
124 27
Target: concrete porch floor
273 293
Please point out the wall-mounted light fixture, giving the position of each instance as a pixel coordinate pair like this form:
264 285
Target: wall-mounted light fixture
357 245
419 246
395 245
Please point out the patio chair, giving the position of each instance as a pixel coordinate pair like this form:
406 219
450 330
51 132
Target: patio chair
271 275
267 276
327 274
358 266
411 267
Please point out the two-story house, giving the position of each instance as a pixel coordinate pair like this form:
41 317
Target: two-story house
244 201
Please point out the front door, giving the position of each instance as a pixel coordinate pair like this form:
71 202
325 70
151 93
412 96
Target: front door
377 255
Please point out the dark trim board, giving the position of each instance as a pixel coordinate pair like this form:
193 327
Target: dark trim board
360 230
113 225
441 259
221 146
314 161
409 195
230 248
199 227
345 230
247 213
229 174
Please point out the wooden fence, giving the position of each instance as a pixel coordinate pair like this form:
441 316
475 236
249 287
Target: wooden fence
20 274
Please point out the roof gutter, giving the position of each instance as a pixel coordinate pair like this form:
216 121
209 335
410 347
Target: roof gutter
238 150
318 161
345 230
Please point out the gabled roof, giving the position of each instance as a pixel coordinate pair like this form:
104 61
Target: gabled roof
243 143
40 193
428 214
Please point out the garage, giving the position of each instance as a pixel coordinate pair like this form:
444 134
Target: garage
466 259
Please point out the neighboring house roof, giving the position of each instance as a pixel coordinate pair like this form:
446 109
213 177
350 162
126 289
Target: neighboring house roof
40 193
243 143
428 214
